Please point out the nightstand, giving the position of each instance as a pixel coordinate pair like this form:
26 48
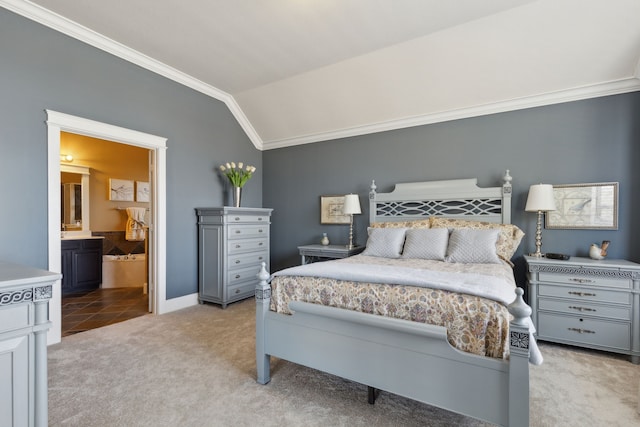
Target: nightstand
313 253
586 303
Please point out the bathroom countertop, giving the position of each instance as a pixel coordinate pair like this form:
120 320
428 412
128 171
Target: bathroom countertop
77 237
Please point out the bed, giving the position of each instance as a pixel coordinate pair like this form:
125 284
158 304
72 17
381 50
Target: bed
410 358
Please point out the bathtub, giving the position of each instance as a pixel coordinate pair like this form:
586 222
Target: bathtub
124 271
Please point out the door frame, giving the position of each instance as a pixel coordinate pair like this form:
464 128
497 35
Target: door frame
60 122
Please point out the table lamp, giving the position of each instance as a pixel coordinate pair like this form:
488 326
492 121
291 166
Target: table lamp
540 200
351 207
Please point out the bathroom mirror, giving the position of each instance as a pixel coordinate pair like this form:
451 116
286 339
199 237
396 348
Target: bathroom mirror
74 198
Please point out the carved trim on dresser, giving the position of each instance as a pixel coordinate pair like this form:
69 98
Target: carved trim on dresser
585 271
39 293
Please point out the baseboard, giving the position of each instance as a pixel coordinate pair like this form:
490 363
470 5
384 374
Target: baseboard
179 303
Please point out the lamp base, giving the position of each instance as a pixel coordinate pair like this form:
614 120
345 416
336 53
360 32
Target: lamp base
537 254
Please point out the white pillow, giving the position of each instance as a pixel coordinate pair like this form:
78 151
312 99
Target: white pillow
426 243
385 242
473 246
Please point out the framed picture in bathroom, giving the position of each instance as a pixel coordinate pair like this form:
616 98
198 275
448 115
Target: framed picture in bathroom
142 191
120 190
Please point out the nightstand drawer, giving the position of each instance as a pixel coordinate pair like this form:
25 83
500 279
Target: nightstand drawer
244 260
577 279
248 231
597 295
238 246
613 335
586 309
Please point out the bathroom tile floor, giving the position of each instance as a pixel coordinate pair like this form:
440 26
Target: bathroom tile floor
101 307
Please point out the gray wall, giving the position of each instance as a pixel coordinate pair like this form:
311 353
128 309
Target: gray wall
587 141
42 69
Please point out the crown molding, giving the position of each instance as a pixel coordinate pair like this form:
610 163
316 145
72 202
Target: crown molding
59 23
631 84
70 28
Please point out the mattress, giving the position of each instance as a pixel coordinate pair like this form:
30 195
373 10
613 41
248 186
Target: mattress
475 324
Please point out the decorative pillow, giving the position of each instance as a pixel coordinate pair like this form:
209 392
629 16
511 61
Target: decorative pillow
473 246
426 243
418 223
508 239
385 242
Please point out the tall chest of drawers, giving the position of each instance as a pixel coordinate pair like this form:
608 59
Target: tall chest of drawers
232 245
586 303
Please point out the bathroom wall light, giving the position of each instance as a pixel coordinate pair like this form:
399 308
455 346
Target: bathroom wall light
66 158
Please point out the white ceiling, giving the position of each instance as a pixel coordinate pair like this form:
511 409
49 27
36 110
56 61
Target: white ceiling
300 71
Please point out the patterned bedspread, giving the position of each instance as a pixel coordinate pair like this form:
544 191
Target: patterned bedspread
474 324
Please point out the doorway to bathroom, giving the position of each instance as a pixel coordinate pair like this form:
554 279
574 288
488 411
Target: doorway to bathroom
104 242
154 147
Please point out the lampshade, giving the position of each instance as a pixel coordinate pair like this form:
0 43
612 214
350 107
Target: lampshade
540 198
351 204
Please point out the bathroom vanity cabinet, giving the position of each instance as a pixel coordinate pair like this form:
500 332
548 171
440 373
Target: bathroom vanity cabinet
232 244
81 265
24 320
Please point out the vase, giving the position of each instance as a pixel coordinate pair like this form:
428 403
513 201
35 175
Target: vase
237 193
325 240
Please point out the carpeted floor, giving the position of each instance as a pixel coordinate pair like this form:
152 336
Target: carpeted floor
196 367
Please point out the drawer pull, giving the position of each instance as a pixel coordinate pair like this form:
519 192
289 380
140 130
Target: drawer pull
260 244
573 279
237 276
237 246
581 331
238 262
237 218
582 308
582 294
259 218
259 258
237 291
238 231
260 231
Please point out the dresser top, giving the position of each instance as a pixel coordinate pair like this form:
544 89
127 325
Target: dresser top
15 274
225 210
584 262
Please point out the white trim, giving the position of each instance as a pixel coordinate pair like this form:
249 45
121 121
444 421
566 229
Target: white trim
631 84
57 122
66 26
179 303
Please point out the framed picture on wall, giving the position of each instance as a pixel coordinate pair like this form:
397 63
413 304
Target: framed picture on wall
142 191
120 190
331 208
584 206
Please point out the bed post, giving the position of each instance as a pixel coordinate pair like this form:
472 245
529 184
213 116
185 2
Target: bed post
519 336
372 202
507 191
263 299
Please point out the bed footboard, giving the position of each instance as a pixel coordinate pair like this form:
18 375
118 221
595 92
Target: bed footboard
410 359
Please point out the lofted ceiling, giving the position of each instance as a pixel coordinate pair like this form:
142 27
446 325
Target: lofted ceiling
302 71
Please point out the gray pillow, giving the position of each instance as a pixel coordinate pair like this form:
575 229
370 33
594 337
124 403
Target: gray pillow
385 242
473 246
426 243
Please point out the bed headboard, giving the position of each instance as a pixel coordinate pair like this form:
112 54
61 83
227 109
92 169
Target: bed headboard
456 198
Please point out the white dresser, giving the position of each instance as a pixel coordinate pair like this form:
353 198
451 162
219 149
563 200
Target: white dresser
24 320
587 303
232 244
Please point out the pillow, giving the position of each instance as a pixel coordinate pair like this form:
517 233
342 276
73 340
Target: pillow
508 239
418 223
426 243
385 242
473 246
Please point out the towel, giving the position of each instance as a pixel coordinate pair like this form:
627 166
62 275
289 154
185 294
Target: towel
135 224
